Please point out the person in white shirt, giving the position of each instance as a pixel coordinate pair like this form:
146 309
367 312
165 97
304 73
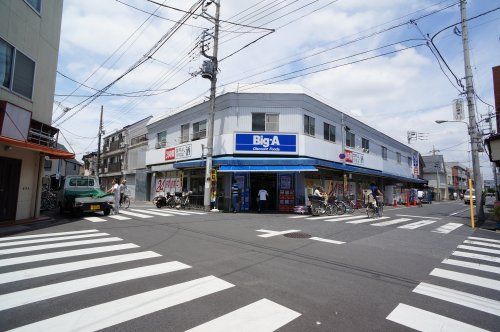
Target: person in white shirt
263 195
115 189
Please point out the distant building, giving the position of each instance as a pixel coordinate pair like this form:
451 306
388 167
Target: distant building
90 163
435 174
459 174
29 46
56 169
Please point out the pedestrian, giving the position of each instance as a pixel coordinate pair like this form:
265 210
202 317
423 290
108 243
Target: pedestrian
115 190
235 196
420 197
123 188
262 195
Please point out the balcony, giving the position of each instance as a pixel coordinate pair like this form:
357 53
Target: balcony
112 168
42 134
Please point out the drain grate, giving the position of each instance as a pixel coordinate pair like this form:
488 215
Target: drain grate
298 235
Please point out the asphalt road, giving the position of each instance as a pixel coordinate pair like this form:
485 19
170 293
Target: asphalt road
161 270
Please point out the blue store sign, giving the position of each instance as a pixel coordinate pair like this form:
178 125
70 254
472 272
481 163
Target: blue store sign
265 143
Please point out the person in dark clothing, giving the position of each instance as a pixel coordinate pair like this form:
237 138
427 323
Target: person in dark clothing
235 197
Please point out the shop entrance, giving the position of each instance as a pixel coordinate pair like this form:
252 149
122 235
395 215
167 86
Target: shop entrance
10 171
267 181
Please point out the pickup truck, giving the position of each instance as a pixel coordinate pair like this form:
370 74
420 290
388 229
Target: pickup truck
81 194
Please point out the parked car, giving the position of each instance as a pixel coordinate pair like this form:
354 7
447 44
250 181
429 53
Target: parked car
467 197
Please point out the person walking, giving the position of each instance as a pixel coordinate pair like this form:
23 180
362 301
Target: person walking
115 189
263 195
235 196
123 188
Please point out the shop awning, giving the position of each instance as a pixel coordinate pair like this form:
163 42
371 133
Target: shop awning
51 152
269 169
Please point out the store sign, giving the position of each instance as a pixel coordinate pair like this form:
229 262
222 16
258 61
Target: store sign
416 168
458 110
168 185
179 152
265 143
353 157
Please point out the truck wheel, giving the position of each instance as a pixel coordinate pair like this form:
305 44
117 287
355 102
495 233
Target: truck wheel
107 211
76 212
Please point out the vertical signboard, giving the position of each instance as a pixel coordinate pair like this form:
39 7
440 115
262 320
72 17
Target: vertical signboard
416 168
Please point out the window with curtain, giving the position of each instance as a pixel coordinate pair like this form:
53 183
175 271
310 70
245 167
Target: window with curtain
309 125
199 130
185 133
6 55
162 139
350 139
329 132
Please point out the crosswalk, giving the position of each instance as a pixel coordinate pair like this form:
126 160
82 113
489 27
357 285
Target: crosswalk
64 266
405 222
461 282
129 214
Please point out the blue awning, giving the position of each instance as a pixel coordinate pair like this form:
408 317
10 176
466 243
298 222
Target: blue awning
268 169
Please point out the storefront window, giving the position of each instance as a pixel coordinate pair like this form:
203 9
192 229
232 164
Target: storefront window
309 125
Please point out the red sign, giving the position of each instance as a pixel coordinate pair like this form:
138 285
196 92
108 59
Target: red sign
348 156
170 154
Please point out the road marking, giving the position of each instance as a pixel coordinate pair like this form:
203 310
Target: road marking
298 217
477 256
485 244
475 266
153 213
391 222
180 213
322 217
54 239
275 233
490 251
423 320
23 237
418 224
325 240
139 215
15 299
118 217
447 228
409 215
118 311
483 239
61 254
73 266
346 218
263 315
467 278
461 298
58 245
94 219
361 221
455 213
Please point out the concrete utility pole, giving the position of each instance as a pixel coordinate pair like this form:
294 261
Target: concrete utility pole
475 139
99 145
489 118
437 166
211 111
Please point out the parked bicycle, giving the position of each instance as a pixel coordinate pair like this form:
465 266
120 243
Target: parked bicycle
48 199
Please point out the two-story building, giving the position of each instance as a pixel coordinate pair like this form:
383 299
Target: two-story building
287 143
460 175
90 163
112 158
435 174
29 47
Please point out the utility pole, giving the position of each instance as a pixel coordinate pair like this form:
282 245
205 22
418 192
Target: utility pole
437 166
473 130
99 145
489 119
211 111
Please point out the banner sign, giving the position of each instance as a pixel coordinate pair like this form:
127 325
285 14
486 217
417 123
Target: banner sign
179 152
416 168
265 143
353 157
168 185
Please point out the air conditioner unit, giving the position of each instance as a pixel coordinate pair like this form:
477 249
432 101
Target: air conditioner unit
106 149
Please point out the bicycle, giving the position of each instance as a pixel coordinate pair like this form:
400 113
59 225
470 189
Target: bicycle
125 202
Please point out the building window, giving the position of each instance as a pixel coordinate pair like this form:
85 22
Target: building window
199 130
139 139
309 125
365 144
398 157
18 78
74 167
265 122
350 139
162 139
384 153
329 132
185 133
409 161
35 4
47 164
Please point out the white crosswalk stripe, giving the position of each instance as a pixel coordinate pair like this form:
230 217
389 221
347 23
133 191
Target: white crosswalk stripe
138 215
62 254
346 218
58 245
365 220
485 244
391 222
94 219
325 217
299 217
176 212
422 320
490 251
483 239
477 256
73 266
263 315
466 278
418 224
156 213
15 299
51 239
118 311
325 240
447 228
119 217
24 237
470 265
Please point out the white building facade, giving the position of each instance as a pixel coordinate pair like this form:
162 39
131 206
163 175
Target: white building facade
286 143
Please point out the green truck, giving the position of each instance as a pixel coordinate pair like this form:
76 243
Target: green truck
81 194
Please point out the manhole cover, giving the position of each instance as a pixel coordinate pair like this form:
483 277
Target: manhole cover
298 235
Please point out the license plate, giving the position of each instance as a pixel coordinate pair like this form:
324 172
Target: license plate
95 207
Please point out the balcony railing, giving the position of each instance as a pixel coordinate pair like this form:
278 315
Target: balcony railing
114 167
43 134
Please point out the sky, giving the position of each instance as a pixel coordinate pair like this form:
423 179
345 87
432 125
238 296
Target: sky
400 88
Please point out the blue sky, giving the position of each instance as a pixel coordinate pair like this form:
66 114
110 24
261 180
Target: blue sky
393 93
